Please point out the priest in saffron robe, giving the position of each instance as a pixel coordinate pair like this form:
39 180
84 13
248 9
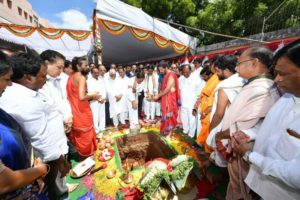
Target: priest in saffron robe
83 134
170 100
206 103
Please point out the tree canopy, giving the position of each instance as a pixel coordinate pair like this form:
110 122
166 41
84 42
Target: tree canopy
231 17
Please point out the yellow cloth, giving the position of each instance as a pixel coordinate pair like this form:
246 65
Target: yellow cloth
207 100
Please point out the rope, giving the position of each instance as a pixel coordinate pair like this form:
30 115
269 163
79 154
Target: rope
213 33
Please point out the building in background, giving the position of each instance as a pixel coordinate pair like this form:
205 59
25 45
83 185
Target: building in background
20 12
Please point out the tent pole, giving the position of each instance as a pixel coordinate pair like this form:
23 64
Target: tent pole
97 39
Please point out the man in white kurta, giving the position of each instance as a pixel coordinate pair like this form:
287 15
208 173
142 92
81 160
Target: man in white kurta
55 88
188 99
55 95
135 85
132 103
124 80
199 83
151 89
275 158
115 92
63 85
96 85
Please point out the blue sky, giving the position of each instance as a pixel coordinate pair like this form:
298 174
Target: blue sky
71 14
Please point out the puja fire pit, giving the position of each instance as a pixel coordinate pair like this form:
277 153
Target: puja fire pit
141 148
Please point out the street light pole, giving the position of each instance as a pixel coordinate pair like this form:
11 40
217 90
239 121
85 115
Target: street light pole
262 29
266 18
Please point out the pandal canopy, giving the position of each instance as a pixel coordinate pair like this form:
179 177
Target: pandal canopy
127 35
130 35
68 42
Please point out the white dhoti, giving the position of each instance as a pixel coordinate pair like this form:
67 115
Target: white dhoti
157 109
188 121
117 109
133 97
188 98
150 109
98 109
119 118
95 107
151 89
198 124
133 117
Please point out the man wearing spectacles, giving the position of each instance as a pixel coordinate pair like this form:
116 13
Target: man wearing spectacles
245 114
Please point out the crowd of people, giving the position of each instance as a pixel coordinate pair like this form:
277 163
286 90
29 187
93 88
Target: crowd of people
243 109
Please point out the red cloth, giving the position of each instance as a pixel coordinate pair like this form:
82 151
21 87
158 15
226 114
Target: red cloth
83 134
133 194
204 189
169 105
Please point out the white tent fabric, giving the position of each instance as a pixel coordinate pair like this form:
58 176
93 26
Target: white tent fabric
65 45
127 49
120 49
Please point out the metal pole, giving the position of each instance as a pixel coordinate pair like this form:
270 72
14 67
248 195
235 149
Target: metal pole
262 29
266 18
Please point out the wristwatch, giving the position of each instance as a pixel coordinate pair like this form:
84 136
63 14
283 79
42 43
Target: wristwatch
246 156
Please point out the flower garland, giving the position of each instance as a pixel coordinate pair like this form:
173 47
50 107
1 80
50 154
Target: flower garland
157 171
180 171
179 159
150 186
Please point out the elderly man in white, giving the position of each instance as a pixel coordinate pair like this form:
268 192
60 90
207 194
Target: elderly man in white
275 159
116 96
188 99
135 86
96 85
53 90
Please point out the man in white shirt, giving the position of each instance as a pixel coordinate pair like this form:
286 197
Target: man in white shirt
246 113
96 85
124 80
42 122
199 83
188 99
275 159
115 93
151 89
197 63
135 86
112 66
64 76
53 90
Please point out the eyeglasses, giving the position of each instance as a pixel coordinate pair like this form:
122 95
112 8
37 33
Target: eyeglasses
238 63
